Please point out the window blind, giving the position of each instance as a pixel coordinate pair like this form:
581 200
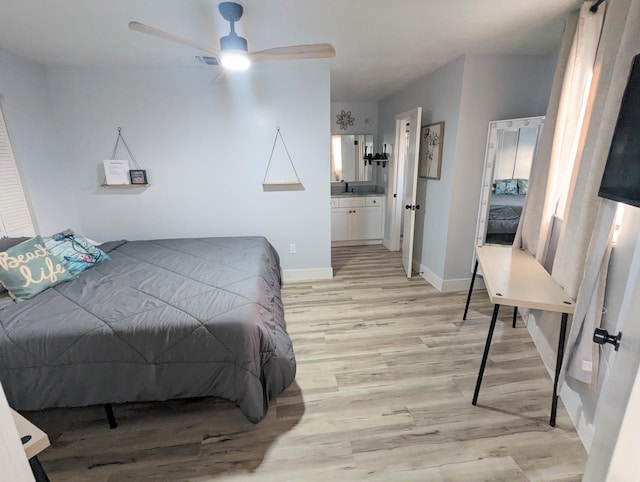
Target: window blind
15 218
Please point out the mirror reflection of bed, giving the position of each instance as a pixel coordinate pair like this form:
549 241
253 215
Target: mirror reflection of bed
511 146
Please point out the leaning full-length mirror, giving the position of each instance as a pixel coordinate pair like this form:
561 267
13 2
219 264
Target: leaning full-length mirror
511 146
347 157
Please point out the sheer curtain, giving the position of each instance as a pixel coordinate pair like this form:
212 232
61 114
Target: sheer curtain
561 145
583 110
560 139
582 256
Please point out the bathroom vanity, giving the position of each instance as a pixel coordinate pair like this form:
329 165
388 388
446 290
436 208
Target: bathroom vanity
357 203
357 218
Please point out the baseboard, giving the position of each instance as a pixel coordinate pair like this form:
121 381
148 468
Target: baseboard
296 275
447 285
573 405
461 284
429 275
356 242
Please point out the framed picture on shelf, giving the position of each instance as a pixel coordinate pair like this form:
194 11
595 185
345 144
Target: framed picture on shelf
115 172
430 161
138 176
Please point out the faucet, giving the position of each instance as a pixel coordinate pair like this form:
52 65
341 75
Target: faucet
346 187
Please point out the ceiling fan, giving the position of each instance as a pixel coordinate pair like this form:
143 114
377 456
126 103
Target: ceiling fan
233 53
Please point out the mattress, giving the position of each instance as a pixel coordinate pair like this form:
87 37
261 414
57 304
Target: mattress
163 319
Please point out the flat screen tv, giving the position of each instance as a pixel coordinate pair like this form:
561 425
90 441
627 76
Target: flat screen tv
621 178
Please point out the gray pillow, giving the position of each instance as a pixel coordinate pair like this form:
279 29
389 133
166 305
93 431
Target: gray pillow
6 243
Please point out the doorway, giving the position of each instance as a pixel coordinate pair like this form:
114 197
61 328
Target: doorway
401 193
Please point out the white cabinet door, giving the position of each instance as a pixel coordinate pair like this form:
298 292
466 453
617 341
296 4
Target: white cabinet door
340 230
366 223
375 222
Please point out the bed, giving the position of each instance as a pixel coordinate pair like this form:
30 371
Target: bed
504 214
162 319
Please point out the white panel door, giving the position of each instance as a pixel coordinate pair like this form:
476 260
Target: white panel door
410 132
614 450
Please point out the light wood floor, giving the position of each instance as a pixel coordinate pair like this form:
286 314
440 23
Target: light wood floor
386 372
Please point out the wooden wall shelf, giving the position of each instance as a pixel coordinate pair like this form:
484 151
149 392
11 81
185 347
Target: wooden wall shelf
282 186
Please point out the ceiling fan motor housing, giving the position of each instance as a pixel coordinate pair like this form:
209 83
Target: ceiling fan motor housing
232 12
233 42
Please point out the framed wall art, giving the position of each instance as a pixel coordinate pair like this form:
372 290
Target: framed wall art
138 176
431 140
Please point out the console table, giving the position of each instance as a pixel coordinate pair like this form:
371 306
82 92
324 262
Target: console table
34 441
515 278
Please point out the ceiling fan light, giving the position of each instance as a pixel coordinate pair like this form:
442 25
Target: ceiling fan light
235 60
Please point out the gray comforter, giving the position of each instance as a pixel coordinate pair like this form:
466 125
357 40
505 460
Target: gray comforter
163 319
504 213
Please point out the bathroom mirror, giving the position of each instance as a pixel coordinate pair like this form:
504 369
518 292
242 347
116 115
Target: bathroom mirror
511 146
347 157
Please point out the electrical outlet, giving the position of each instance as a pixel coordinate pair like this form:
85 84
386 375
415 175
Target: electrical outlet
292 249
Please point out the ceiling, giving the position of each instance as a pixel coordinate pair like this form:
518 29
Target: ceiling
381 45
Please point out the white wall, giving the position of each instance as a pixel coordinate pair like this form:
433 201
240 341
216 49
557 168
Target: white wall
466 94
27 112
494 87
439 96
205 148
365 118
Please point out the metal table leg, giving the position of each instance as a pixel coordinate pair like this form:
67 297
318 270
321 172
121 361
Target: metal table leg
473 279
110 416
38 472
496 308
554 402
515 315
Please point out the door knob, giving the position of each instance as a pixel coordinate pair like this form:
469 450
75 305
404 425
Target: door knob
601 337
417 206
408 206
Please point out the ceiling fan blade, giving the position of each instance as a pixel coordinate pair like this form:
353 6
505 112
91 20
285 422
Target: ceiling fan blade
142 28
220 77
295 52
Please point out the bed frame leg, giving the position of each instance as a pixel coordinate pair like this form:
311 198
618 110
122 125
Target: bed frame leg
110 416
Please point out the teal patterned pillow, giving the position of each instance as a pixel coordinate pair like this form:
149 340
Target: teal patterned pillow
506 186
75 251
28 269
523 186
